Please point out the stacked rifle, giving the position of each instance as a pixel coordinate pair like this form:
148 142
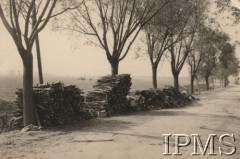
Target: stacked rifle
167 97
17 120
55 104
109 93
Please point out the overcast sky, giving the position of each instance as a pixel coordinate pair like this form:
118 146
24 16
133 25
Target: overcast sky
63 54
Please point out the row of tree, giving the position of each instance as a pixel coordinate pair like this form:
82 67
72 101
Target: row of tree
177 29
180 30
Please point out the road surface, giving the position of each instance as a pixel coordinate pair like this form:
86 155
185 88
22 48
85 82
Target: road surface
136 136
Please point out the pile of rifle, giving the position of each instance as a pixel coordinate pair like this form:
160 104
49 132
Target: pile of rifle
109 93
167 97
173 98
55 104
17 121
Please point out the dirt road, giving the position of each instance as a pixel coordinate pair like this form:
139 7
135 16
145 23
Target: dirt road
137 136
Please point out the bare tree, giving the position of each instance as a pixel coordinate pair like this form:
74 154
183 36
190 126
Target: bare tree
195 61
38 50
161 29
227 64
197 56
179 53
213 44
181 50
115 24
203 48
16 16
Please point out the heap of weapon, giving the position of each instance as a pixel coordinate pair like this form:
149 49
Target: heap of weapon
109 93
168 97
55 104
17 121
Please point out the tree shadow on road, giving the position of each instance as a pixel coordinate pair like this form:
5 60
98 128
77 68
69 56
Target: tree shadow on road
168 112
95 125
164 113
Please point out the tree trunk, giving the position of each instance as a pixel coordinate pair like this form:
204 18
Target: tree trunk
198 89
114 67
222 82
225 81
213 83
207 82
176 81
39 60
28 99
154 76
192 83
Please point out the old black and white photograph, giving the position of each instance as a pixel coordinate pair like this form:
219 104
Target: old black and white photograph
119 79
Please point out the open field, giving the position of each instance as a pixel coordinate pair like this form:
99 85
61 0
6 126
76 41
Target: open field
9 84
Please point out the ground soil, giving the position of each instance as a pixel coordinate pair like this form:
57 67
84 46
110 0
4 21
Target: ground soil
135 136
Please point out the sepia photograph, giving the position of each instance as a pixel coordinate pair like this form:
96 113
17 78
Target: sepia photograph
119 79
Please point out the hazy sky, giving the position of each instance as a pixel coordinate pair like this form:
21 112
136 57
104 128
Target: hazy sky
63 54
